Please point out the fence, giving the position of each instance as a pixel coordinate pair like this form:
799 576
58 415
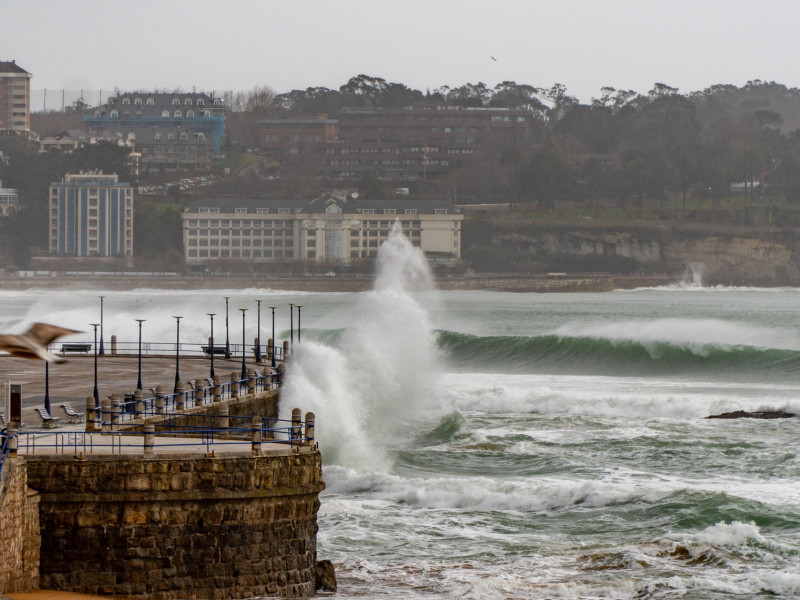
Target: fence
257 430
169 349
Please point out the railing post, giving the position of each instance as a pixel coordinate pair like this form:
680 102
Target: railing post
256 425
285 350
180 397
160 400
149 438
105 414
281 373
310 428
199 385
91 414
297 424
116 410
222 417
138 402
217 389
113 345
13 440
251 382
234 386
269 349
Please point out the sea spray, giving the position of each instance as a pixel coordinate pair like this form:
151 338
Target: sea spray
381 373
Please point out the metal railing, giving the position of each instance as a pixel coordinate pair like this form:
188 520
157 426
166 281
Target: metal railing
158 404
4 448
255 431
131 349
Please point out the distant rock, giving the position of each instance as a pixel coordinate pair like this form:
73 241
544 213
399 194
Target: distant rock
324 576
763 414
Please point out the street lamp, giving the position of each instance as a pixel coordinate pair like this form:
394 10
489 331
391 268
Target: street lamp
96 394
258 334
177 354
211 345
227 331
244 347
139 381
101 326
47 386
299 306
291 325
273 335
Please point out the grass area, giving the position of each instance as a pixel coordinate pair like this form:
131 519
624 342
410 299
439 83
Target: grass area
235 160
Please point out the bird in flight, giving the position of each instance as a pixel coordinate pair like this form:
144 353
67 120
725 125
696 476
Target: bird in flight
493 58
33 343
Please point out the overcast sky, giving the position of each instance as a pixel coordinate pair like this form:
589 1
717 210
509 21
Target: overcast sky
289 44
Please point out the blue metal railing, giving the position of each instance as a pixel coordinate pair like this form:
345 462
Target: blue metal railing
4 446
169 349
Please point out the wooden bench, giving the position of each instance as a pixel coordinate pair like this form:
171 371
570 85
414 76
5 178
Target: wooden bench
47 420
74 417
208 350
84 348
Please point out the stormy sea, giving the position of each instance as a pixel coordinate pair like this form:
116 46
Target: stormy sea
496 445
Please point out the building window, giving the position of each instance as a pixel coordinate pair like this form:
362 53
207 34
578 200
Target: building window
178 113
114 113
126 100
150 101
190 114
207 114
138 102
176 102
188 102
240 210
200 102
164 113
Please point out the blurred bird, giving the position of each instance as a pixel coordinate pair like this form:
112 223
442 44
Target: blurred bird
493 58
34 342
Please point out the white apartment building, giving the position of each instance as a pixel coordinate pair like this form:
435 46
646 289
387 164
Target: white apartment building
333 227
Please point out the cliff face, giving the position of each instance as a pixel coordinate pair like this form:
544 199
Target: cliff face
738 256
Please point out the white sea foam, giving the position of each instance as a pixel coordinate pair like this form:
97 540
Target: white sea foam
382 371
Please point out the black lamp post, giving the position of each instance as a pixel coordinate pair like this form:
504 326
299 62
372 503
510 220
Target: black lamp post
258 334
47 386
299 306
139 381
177 354
211 345
291 325
96 394
244 346
101 326
273 335
227 331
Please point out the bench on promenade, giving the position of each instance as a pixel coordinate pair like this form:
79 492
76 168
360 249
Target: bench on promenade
74 417
216 350
84 348
47 420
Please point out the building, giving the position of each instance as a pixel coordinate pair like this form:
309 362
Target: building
333 227
392 144
15 99
91 214
172 131
9 201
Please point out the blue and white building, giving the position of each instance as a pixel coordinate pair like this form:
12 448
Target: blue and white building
91 214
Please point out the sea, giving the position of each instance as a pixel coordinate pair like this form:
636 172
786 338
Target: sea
493 445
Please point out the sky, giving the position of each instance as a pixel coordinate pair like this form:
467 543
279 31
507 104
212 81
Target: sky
293 44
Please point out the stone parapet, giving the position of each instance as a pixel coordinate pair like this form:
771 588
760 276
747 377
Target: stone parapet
179 526
19 530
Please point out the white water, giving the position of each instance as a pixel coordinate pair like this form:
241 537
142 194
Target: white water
370 388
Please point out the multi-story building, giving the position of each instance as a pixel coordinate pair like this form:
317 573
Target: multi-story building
172 131
91 214
15 99
392 144
9 201
333 227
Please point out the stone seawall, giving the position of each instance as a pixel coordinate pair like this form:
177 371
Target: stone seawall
179 526
19 530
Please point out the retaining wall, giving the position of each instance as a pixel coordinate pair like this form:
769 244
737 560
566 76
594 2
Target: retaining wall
19 530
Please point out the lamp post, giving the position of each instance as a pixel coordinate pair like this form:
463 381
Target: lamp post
299 306
244 347
47 386
273 335
177 354
211 345
101 326
96 394
291 325
227 331
139 380
258 334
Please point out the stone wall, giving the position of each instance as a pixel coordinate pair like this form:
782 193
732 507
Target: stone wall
19 530
179 526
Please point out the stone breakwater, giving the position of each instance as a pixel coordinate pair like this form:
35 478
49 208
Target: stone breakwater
178 526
